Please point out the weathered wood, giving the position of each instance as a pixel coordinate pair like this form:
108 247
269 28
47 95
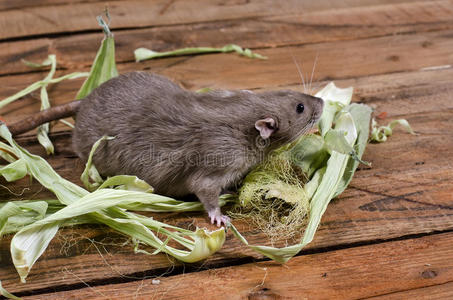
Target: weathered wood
440 291
407 192
337 60
24 4
78 51
343 274
137 14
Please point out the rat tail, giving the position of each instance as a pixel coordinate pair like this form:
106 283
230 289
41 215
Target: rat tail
44 116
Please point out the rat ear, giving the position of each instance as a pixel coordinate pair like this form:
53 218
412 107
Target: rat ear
266 127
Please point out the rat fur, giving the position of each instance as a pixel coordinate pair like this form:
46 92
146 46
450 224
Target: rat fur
182 142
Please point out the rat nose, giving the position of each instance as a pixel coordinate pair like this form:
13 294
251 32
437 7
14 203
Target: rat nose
318 107
320 102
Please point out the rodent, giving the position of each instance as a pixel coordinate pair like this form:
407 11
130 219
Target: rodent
183 142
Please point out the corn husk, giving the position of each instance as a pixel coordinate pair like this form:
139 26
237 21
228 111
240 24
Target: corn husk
145 54
90 176
104 65
7 294
345 143
379 134
36 85
107 206
43 130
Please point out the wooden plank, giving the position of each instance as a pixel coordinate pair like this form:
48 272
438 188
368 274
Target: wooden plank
357 217
21 4
137 14
337 60
441 291
276 31
344 274
402 194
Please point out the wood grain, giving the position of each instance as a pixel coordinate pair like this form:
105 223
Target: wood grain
397 55
263 32
22 4
434 292
342 274
35 21
337 60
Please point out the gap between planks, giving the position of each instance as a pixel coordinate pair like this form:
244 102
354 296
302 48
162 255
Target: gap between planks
184 269
268 32
387 268
133 14
387 56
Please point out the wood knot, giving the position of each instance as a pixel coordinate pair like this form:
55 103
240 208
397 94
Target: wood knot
427 274
393 58
426 44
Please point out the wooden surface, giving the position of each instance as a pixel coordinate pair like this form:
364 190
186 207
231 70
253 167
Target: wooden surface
388 236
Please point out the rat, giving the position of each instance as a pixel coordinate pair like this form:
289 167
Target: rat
183 142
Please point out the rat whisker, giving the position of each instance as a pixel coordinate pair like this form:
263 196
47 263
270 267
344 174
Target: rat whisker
312 72
300 73
305 128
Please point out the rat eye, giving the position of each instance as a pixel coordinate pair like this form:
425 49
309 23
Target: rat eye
300 108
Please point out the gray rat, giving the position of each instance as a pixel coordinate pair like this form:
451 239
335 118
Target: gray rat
179 141
182 142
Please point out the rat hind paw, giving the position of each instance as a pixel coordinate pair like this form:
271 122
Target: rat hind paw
216 217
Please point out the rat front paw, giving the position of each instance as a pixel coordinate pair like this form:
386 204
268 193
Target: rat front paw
217 217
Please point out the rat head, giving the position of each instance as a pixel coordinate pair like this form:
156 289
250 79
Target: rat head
287 115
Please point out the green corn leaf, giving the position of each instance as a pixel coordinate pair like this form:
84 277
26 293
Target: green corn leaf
7 152
334 100
7 294
380 134
104 65
66 123
106 206
32 211
66 191
7 211
17 214
127 182
47 62
73 75
31 88
145 54
336 141
309 153
43 130
90 172
362 115
34 86
14 171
